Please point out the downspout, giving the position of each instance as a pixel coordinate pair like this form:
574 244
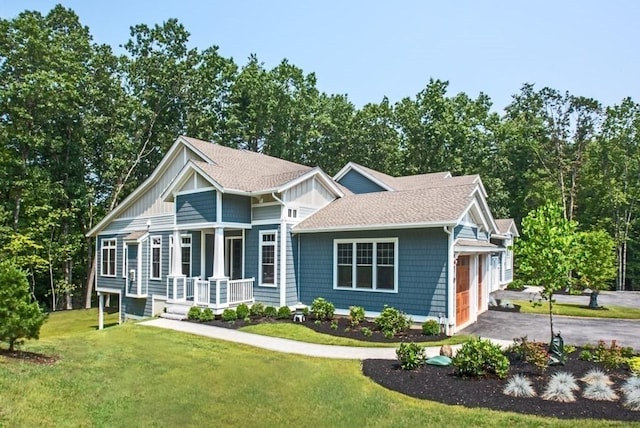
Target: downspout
283 253
450 286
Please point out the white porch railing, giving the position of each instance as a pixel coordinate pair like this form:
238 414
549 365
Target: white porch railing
240 291
216 294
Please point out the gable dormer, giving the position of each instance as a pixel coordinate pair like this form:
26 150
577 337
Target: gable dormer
359 179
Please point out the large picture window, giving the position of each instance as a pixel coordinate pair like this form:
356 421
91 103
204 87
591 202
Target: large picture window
156 257
267 261
185 248
108 257
366 264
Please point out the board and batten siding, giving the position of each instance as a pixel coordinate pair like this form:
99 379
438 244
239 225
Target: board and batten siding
236 208
422 272
194 208
358 183
150 203
140 223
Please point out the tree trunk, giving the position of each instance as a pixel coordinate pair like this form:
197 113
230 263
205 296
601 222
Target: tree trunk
91 268
593 300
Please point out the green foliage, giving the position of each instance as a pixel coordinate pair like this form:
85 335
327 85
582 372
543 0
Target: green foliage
283 313
242 310
431 328
611 357
534 353
270 312
195 313
20 317
391 321
334 324
322 309
366 332
545 254
229 315
634 365
207 315
410 356
356 315
479 357
257 309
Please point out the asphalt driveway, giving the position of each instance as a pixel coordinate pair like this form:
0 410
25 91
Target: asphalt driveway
575 331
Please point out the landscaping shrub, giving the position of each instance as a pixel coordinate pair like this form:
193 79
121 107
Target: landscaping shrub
366 332
207 315
431 328
194 313
391 321
611 357
322 309
229 315
634 365
257 310
534 353
356 315
242 311
478 357
283 313
410 356
270 312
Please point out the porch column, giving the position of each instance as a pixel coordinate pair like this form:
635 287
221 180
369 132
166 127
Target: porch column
176 267
218 253
100 310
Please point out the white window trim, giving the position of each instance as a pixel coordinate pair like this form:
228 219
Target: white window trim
182 245
275 257
374 272
151 247
125 261
113 245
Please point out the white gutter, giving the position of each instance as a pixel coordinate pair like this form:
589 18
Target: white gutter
450 316
283 252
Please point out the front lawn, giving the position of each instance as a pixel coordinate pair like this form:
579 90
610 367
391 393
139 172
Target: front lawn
578 310
133 375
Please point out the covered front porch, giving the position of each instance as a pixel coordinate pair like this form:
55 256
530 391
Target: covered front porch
219 258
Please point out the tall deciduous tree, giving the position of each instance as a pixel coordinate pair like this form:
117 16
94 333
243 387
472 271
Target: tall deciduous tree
546 251
595 262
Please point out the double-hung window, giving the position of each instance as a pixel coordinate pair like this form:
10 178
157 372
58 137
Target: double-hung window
108 253
156 257
267 262
185 248
366 264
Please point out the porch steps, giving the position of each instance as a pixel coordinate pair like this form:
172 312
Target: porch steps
176 310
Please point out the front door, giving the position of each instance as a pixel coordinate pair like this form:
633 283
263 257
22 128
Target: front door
233 258
462 290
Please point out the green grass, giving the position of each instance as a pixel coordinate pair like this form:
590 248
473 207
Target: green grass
305 334
133 375
63 323
578 310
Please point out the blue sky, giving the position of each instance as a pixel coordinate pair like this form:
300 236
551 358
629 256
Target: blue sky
371 49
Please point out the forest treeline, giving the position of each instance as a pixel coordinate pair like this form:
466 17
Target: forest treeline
81 127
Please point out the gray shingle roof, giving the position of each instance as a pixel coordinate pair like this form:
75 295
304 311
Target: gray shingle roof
245 170
504 224
435 205
405 183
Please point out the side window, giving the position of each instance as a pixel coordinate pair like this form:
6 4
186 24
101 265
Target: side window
267 262
156 257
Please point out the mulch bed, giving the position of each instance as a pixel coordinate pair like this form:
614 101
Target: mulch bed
344 329
30 357
441 385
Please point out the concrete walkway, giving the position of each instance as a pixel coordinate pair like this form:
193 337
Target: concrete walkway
289 346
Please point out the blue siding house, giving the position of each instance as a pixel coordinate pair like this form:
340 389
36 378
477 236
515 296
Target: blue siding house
216 227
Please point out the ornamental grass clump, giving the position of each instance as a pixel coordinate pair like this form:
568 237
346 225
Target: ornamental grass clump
558 391
599 392
596 376
519 386
566 379
631 384
632 400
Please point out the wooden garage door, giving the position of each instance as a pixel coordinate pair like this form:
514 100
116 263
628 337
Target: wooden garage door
462 290
480 284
